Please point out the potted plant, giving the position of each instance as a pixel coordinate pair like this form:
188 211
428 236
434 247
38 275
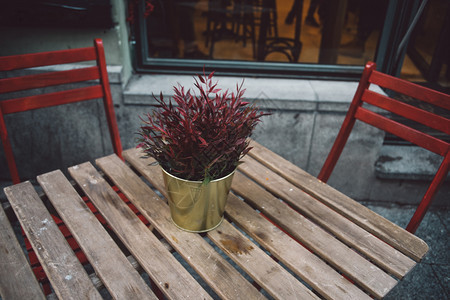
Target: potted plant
198 141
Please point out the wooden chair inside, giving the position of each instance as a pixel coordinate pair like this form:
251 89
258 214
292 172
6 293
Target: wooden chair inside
95 74
360 110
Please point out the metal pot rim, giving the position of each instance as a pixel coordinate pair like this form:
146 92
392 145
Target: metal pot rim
197 181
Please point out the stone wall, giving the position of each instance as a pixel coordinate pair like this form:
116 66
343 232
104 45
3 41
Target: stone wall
20 39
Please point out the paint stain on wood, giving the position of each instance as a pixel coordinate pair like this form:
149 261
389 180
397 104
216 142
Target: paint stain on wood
261 235
175 239
235 245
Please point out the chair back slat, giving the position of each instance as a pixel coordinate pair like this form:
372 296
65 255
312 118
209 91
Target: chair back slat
422 137
407 111
407 133
410 89
51 99
38 96
25 61
15 84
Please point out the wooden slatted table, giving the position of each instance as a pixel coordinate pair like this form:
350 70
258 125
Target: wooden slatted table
286 235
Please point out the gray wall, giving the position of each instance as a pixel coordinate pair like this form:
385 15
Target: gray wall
22 40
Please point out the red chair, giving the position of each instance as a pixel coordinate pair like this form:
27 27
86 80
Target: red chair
20 83
422 139
41 98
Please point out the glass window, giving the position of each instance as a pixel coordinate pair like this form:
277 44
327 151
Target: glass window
264 30
429 48
310 38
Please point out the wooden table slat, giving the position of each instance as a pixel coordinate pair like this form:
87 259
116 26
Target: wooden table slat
214 269
65 272
15 271
173 279
385 256
110 264
318 240
315 272
261 267
391 233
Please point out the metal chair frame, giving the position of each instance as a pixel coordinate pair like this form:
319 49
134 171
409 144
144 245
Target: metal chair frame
36 81
419 138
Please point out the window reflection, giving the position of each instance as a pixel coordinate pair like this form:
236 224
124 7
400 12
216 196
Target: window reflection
299 31
429 49
184 34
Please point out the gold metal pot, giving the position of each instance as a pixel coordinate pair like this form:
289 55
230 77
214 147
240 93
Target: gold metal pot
195 206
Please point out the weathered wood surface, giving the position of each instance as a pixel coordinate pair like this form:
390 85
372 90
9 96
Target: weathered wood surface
387 231
244 252
319 240
255 262
328 282
173 279
281 232
15 272
266 272
385 256
252 260
322 230
65 272
314 271
224 279
108 261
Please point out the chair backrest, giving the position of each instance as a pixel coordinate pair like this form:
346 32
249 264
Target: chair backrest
41 98
407 111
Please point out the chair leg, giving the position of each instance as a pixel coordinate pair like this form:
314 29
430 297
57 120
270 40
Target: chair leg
8 150
429 195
